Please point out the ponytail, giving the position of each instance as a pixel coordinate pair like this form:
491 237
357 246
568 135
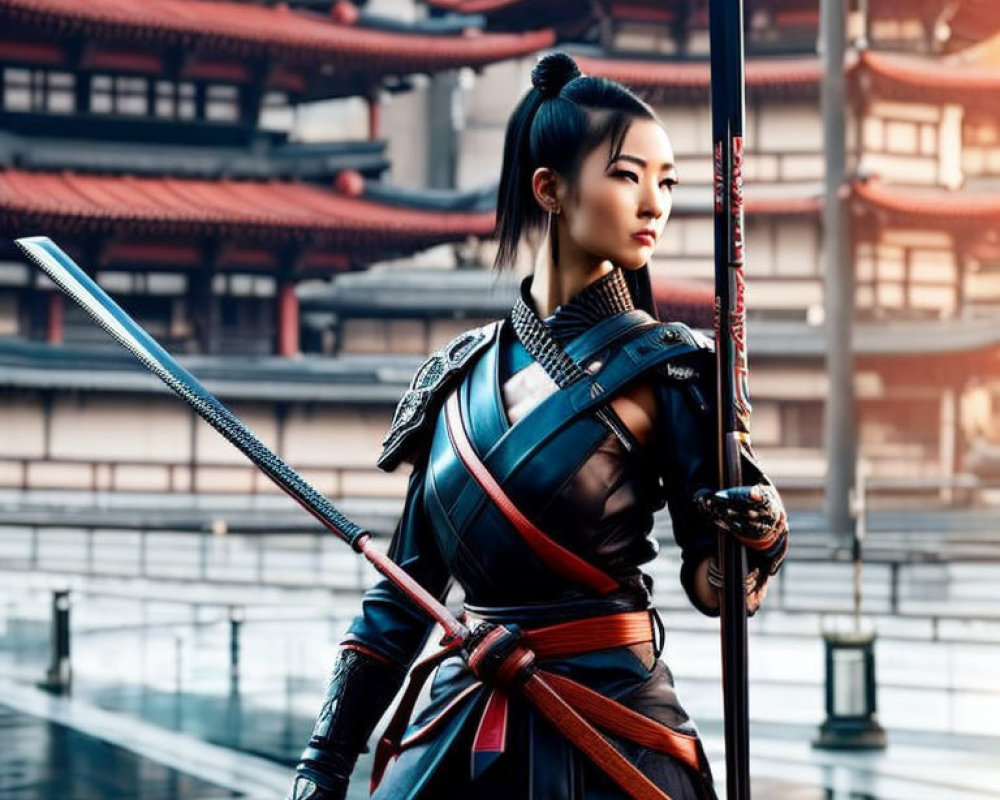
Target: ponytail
517 210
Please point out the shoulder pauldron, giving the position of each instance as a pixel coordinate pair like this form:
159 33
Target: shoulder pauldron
692 366
415 410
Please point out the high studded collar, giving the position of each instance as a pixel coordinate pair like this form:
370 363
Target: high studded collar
602 298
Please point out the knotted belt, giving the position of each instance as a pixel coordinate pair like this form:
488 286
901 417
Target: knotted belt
504 657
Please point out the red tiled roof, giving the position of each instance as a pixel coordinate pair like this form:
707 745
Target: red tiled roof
771 76
473 6
247 28
689 301
264 211
891 76
984 54
909 207
974 19
969 20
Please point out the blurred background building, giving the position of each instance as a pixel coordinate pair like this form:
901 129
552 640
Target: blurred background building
297 194
297 198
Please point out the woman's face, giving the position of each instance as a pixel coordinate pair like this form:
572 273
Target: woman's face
621 206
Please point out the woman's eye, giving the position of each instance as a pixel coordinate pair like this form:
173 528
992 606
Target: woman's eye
669 183
626 174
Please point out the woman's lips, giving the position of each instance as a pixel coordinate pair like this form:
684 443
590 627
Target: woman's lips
646 238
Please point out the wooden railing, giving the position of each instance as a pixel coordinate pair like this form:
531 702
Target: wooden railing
200 477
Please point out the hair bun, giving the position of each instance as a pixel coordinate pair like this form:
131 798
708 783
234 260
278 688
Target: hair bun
552 72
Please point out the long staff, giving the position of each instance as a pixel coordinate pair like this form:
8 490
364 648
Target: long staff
68 275
726 35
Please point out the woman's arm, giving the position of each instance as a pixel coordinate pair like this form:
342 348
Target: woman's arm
687 443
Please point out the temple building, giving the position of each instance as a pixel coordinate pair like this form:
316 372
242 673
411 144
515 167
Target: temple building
298 198
158 145
921 146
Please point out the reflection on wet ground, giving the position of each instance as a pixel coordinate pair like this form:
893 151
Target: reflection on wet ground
229 721
170 664
40 760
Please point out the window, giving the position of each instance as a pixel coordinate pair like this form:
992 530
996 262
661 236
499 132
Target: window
38 90
174 100
222 103
101 94
276 112
60 95
802 424
119 94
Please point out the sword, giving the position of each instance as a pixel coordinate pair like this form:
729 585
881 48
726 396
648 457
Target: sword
728 102
68 275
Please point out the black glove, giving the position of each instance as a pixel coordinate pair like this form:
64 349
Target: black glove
756 517
361 688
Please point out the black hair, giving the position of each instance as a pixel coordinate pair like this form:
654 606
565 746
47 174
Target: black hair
556 124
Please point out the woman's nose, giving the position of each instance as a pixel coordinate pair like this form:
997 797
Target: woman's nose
655 201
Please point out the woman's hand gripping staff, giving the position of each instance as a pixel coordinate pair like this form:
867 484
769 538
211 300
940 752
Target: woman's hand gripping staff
756 517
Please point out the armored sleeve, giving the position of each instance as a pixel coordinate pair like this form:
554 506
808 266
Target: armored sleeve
687 441
375 655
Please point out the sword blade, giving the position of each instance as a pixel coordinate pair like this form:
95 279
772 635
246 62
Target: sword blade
69 276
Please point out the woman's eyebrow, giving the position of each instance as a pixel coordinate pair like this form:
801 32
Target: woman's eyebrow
640 161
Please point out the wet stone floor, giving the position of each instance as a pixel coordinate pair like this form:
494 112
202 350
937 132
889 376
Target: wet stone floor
43 761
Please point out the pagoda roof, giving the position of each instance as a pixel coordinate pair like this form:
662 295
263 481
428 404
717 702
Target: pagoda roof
263 211
907 206
783 199
379 379
265 159
971 20
370 379
349 214
893 76
687 300
574 21
875 341
291 35
471 292
669 79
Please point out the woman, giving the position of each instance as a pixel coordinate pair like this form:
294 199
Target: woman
541 446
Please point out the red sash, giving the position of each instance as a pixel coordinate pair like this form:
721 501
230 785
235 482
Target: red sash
554 641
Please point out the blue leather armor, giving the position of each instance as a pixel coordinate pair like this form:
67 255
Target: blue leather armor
575 481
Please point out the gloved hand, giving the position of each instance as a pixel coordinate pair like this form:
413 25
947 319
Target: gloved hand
312 785
756 517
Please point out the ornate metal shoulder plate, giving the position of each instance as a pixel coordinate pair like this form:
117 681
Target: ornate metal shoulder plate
416 407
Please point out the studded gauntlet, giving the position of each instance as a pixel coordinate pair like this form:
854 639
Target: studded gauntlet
756 517
361 687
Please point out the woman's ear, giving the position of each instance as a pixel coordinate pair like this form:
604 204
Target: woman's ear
545 187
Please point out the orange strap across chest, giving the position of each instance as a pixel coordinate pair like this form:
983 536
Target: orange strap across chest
559 559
